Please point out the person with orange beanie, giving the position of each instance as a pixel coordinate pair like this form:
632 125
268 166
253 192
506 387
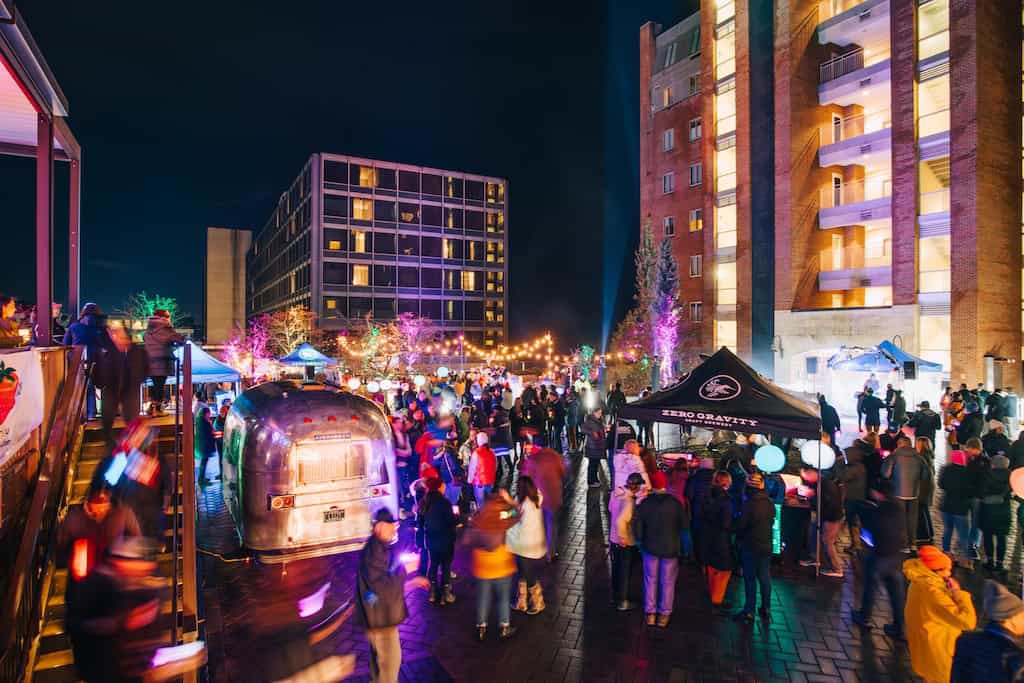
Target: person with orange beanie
937 612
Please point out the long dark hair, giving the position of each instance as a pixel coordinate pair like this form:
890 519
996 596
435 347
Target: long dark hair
527 489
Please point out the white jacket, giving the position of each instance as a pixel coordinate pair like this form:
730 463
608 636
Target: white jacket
626 464
620 518
527 537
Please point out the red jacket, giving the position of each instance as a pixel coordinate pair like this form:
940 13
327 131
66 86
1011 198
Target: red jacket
483 465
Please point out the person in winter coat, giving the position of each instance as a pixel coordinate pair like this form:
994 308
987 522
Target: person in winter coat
446 462
925 531
545 467
994 653
119 371
160 339
871 405
978 465
698 486
658 524
435 515
380 596
593 429
906 469
754 537
995 406
622 546
853 477
90 331
716 550
937 612
970 424
830 423
899 408
483 465
883 558
995 442
573 420
627 461
956 486
994 520
831 521
501 443
205 448
526 540
616 400
925 422
492 564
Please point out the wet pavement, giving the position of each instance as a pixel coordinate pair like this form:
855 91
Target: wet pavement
579 637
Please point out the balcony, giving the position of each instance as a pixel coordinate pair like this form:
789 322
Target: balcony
864 139
856 77
856 203
849 22
855 278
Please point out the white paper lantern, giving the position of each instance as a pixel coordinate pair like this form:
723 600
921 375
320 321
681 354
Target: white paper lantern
770 458
373 387
443 371
419 380
385 384
809 454
353 383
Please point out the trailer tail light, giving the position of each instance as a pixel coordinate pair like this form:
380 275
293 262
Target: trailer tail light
280 502
379 491
307 420
331 418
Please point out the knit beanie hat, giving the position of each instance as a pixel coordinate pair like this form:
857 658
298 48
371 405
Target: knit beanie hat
933 558
1000 604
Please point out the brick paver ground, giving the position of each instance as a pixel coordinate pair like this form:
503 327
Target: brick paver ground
579 637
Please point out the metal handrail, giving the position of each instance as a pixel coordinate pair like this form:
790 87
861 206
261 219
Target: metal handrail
843 64
23 608
854 126
871 187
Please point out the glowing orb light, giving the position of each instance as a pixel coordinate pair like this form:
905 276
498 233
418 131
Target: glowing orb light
1017 481
809 454
373 387
385 384
419 380
770 458
353 383
443 371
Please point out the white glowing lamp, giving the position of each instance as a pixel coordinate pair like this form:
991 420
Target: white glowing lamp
419 380
809 455
770 458
353 383
386 384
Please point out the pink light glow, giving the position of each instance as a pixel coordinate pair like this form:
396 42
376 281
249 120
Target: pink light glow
312 604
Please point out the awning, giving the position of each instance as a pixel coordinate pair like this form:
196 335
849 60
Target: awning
305 354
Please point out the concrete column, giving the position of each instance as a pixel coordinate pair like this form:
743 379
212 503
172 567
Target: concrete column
904 151
44 219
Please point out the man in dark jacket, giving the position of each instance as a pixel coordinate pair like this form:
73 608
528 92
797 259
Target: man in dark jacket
830 522
906 469
160 339
853 477
380 596
995 406
658 524
926 422
698 486
616 399
871 405
593 429
89 331
886 535
970 424
994 441
754 538
993 653
830 423
978 466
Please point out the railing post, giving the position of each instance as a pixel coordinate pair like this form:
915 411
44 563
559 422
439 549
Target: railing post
189 601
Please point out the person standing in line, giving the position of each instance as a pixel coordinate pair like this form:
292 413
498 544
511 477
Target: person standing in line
852 475
994 653
754 538
899 409
527 542
88 331
622 545
925 421
546 469
1010 412
995 514
616 400
925 530
830 523
483 465
438 520
573 419
593 429
937 612
658 524
204 445
160 339
380 596
978 466
906 469
716 549
956 487
884 522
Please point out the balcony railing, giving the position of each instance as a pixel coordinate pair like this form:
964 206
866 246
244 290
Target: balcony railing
842 65
872 187
935 122
853 126
936 201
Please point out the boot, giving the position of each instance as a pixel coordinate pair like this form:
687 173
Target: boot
520 605
433 594
481 632
449 597
507 631
536 599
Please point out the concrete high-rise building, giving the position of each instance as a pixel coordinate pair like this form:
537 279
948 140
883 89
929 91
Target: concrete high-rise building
845 201
355 236
224 286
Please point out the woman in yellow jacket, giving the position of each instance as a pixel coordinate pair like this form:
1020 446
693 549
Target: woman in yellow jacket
937 612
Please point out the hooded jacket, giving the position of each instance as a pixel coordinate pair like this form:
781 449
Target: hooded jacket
935 618
160 338
754 526
86 332
621 507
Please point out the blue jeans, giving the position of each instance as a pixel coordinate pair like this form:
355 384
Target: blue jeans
480 492
959 523
452 493
889 572
660 574
756 570
975 533
502 591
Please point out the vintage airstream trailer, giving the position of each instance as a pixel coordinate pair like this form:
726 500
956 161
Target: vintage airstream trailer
305 469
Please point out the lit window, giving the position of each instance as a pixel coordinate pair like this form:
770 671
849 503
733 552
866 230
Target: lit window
668 224
696 264
468 280
448 249
696 311
668 183
362 209
696 174
367 177
726 284
725 166
495 252
725 226
668 139
695 130
332 304
359 241
495 193
696 220
360 276
334 245
495 222
666 96
725 333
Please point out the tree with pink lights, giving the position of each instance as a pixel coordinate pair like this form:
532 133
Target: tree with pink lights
416 331
664 311
248 350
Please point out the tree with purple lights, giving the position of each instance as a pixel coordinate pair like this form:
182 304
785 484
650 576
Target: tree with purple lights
248 350
664 311
416 331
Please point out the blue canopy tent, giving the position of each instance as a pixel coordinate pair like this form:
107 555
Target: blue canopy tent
205 368
305 354
886 357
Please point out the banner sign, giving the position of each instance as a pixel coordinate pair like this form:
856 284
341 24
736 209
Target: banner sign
21 400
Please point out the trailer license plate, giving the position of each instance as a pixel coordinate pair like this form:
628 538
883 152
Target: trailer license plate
333 515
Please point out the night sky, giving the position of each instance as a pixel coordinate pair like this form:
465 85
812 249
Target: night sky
197 118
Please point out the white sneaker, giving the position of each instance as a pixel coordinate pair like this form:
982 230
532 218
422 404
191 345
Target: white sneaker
808 563
834 573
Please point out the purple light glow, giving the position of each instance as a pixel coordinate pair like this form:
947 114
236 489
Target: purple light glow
166 655
312 604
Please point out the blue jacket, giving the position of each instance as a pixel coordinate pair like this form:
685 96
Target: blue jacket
86 332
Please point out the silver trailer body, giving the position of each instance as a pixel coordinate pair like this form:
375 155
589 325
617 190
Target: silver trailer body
305 468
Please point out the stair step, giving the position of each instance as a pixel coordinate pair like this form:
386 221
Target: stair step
61 674
53 660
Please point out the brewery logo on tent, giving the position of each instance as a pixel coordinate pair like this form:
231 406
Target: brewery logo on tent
719 388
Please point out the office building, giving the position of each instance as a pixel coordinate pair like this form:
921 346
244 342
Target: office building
845 200
353 237
224 283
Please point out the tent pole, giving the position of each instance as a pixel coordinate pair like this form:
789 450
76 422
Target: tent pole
817 566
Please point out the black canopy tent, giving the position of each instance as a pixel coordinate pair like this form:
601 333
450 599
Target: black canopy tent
723 392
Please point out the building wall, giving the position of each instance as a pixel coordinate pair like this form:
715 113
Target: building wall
224 306
905 209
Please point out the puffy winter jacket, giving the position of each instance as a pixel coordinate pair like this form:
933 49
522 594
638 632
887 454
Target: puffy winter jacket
626 464
697 488
381 584
160 338
995 502
935 618
995 443
658 523
906 470
483 465
621 507
955 483
86 332
527 537
593 427
991 654
434 513
754 526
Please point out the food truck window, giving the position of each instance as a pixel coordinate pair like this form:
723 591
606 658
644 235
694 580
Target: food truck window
350 461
